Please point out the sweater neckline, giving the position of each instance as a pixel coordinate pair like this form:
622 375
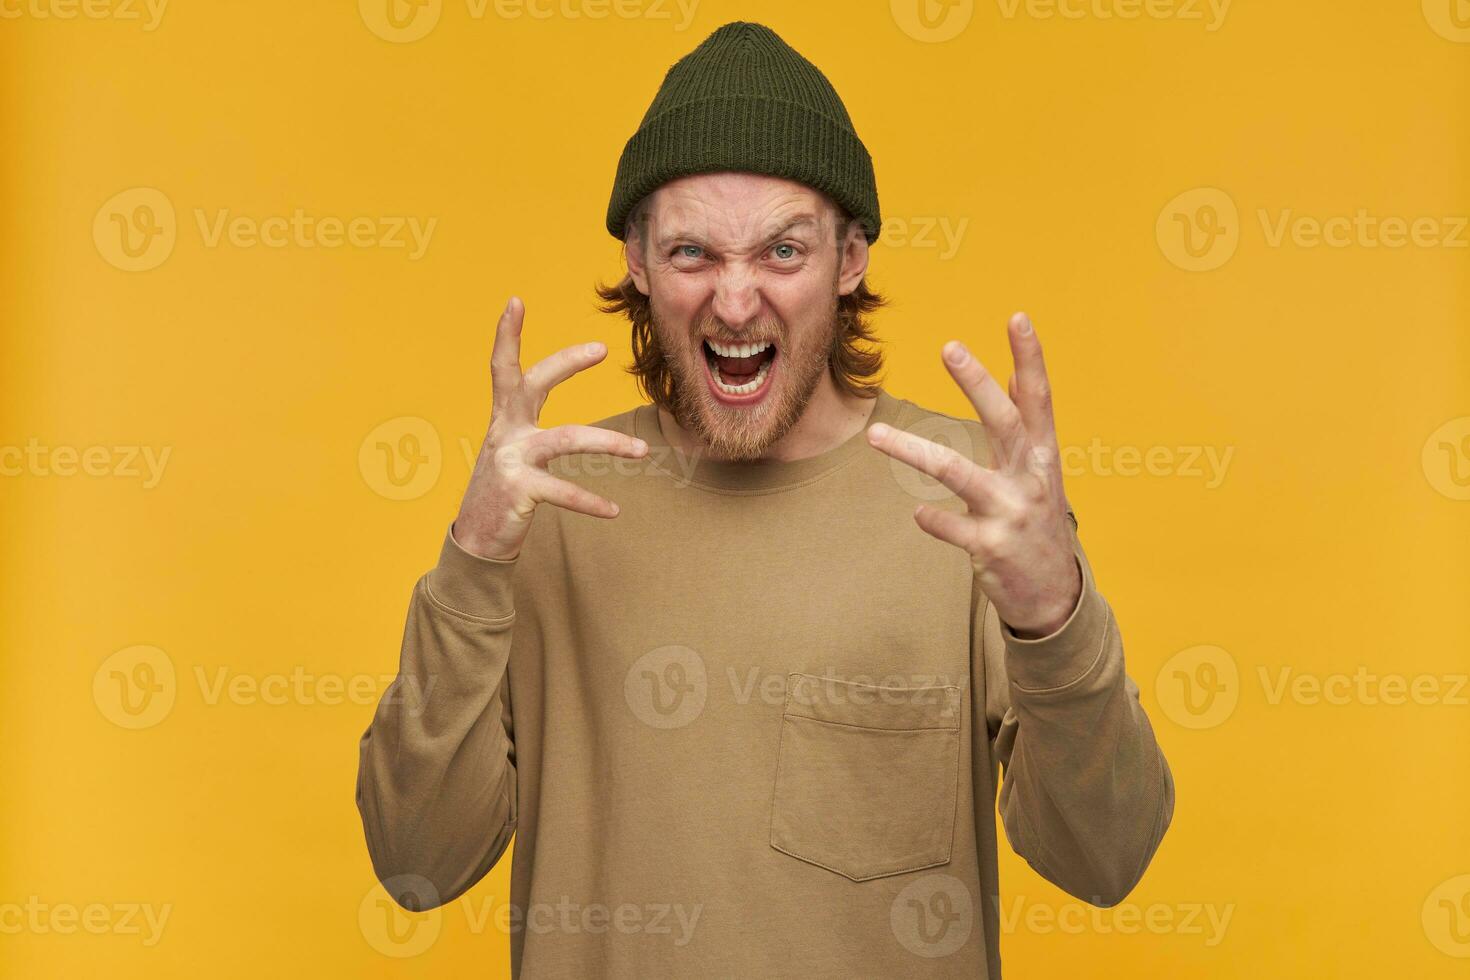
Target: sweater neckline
761 476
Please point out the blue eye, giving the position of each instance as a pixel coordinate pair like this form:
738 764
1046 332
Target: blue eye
790 251
690 251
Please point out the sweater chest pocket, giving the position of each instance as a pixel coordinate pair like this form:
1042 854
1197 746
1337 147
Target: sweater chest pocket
866 776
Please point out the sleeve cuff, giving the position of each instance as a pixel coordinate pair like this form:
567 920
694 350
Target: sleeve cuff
470 584
1064 657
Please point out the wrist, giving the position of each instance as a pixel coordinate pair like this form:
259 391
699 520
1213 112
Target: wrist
1043 628
1054 616
480 544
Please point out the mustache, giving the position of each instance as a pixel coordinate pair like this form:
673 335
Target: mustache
768 329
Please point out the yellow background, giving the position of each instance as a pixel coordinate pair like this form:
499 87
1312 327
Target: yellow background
1334 834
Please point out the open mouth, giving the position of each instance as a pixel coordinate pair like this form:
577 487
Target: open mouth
739 373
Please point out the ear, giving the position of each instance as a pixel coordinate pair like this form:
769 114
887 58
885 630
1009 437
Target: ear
636 258
852 259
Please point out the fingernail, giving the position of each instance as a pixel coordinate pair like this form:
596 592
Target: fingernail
615 510
877 430
594 349
508 304
955 353
639 446
1025 325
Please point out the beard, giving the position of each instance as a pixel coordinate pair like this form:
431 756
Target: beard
745 434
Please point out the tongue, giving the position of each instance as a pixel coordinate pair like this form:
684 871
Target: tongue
738 370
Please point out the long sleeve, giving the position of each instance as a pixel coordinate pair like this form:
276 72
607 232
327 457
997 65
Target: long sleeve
436 781
1086 795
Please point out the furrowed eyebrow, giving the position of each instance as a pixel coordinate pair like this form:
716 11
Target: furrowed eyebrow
800 221
794 223
664 241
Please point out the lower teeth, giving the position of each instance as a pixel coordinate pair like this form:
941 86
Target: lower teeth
745 389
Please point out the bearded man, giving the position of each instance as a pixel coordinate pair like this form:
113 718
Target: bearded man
739 668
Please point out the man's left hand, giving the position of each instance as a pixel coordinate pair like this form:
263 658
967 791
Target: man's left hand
1016 529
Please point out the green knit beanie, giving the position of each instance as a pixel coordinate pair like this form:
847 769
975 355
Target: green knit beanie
745 100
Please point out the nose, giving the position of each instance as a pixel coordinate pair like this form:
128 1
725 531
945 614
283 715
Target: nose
737 299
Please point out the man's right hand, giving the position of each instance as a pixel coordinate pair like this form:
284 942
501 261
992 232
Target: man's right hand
510 476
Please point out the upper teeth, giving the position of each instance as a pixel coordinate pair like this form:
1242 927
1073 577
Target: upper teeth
737 350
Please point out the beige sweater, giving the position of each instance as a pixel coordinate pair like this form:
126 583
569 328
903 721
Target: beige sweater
752 728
